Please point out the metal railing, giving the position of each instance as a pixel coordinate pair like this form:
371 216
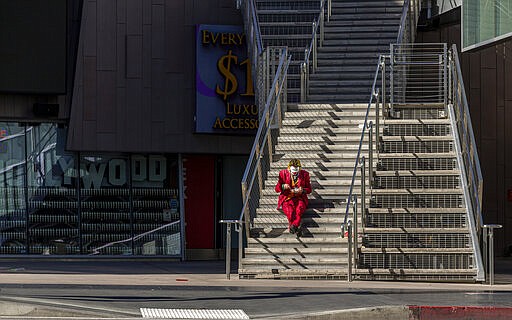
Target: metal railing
472 174
372 129
254 45
310 63
418 74
260 157
408 21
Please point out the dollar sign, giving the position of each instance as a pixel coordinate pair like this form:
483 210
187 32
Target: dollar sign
226 72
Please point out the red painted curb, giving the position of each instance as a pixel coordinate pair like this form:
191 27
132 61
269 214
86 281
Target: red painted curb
460 313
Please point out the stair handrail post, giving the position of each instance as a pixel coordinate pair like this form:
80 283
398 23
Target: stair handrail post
490 254
313 48
329 10
377 119
382 62
370 154
355 233
346 228
363 193
322 23
303 82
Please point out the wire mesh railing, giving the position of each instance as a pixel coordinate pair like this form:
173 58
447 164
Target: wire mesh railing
418 74
408 21
472 174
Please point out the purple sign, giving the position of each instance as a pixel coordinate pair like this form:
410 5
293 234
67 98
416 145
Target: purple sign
224 88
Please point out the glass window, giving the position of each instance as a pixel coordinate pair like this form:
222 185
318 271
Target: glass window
156 212
105 205
12 192
485 21
52 194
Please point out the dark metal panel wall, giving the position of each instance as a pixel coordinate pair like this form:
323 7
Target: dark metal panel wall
487 76
135 85
19 107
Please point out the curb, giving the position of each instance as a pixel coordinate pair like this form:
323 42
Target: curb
460 312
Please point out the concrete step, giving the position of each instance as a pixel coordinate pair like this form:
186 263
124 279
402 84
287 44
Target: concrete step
362 29
367 16
291 274
323 123
358 42
313 203
289 263
334 115
279 252
323 139
311 212
307 220
346 90
363 4
326 83
338 98
327 107
319 131
343 21
300 147
368 9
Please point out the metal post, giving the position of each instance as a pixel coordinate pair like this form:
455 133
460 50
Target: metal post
240 244
315 64
349 229
377 116
228 244
491 228
383 85
329 9
303 82
356 218
370 154
363 190
322 24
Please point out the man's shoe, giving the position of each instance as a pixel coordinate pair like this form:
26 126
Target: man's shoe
298 231
293 229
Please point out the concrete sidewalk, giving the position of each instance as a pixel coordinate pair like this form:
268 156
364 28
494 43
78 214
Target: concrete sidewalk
197 273
118 288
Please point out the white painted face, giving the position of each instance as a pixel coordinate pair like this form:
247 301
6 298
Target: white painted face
294 170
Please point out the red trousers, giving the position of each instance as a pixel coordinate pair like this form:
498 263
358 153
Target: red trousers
293 209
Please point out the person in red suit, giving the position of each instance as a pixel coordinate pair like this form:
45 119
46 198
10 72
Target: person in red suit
293 187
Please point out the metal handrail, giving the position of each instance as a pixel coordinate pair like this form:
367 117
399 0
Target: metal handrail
408 20
375 95
468 157
318 23
474 162
272 106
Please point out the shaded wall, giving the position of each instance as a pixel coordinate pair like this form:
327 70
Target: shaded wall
487 74
135 81
19 107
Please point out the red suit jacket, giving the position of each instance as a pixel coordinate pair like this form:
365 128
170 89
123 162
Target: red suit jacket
285 178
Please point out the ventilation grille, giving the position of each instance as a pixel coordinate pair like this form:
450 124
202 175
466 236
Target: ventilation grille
417 201
433 182
415 261
423 220
416 240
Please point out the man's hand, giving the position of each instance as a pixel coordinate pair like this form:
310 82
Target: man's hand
286 186
299 190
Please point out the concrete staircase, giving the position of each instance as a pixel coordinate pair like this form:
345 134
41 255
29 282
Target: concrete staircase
325 138
416 226
323 134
